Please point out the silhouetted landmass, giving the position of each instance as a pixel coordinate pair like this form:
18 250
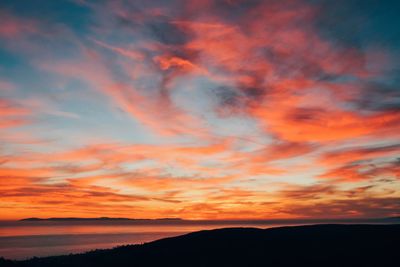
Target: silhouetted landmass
316 245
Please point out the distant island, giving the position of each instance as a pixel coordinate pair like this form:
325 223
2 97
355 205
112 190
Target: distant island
311 246
34 219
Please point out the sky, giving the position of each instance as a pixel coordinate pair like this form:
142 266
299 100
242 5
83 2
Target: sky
201 109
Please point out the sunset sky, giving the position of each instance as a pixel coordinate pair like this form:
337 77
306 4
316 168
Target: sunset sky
201 109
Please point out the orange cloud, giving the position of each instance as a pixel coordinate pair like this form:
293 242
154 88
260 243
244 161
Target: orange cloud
321 125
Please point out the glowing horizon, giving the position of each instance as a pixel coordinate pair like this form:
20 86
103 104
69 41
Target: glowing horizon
200 109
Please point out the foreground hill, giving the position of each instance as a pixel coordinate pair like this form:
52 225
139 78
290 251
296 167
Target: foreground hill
318 245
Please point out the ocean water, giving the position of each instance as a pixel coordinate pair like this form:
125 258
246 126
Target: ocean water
22 240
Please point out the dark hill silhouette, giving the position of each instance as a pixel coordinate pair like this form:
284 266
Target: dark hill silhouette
316 245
